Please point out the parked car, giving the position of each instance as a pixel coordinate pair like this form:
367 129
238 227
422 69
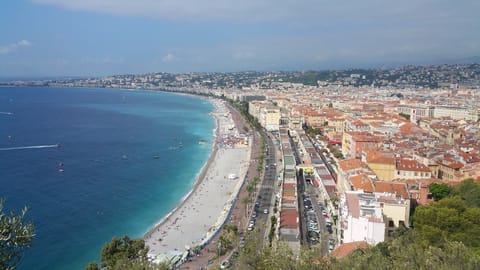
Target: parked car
328 221
331 247
312 219
225 264
329 228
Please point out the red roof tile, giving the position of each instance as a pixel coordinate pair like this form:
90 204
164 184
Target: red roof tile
390 187
288 218
411 165
350 164
362 182
347 248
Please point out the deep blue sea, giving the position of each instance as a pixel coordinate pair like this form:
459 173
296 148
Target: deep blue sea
128 158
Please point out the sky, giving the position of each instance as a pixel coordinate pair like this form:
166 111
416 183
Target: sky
105 37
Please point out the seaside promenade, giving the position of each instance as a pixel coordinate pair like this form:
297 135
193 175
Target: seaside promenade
196 220
204 260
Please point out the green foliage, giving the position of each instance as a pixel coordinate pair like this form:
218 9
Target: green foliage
242 107
407 252
230 228
450 219
123 248
125 253
92 266
469 191
312 132
446 235
439 191
335 152
404 115
246 201
227 239
15 236
271 234
370 259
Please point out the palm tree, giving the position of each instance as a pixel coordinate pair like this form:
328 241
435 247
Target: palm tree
246 201
255 182
250 189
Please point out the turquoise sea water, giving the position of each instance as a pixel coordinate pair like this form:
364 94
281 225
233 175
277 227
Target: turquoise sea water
128 158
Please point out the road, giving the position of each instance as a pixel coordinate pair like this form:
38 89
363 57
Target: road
308 192
266 198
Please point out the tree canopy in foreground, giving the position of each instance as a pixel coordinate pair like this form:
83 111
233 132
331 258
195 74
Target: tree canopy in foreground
445 235
16 235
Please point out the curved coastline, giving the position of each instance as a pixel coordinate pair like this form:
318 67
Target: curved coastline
198 217
200 175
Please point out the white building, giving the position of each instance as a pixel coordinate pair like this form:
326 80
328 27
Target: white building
417 111
254 108
360 218
456 112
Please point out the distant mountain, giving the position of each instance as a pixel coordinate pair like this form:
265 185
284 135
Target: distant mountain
468 60
39 78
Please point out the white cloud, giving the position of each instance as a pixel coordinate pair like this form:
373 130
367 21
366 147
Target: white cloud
23 43
243 55
288 11
229 10
169 58
13 46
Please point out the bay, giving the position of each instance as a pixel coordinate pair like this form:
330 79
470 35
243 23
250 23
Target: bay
126 158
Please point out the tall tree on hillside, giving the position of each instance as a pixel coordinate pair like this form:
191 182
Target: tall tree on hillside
15 236
439 191
125 253
469 191
449 218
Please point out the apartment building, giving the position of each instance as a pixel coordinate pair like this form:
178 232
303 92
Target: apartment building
269 118
360 218
373 217
456 112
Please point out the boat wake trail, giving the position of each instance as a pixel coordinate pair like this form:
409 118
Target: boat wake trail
7 113
30 147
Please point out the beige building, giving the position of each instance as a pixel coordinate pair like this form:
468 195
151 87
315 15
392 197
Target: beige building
396 212
456 113
269 118
254 108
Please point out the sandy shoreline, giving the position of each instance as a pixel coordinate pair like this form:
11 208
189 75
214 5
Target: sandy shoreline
195 220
